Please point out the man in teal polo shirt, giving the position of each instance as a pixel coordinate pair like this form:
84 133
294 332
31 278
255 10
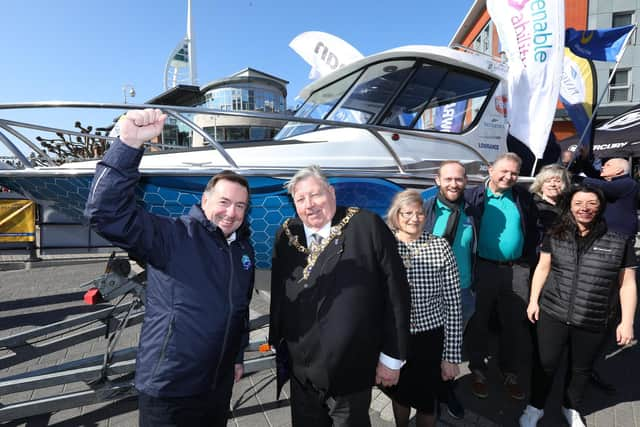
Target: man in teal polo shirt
448 216
506 250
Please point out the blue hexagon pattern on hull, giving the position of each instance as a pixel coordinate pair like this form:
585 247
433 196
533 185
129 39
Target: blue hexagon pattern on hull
173 196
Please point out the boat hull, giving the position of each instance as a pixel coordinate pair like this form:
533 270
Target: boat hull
173 196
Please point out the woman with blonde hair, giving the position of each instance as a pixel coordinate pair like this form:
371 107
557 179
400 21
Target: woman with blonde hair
549 186
436 313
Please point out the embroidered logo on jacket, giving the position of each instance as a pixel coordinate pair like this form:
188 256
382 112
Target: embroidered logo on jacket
246 262
597 248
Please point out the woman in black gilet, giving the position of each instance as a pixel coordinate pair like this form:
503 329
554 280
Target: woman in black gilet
581 266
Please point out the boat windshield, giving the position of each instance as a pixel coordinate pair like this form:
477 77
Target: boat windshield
401 94
317 106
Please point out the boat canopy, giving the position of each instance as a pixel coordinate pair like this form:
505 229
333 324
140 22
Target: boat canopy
402 89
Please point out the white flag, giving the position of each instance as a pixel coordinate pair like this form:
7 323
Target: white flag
324 52
532 36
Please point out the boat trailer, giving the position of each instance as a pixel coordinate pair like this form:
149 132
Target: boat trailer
107 376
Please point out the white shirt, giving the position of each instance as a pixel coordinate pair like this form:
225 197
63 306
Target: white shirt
232 238
323 232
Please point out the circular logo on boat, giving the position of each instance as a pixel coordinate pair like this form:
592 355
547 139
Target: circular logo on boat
501 105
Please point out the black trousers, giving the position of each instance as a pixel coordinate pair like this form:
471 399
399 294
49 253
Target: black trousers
505 288
312 408
554 337
204 410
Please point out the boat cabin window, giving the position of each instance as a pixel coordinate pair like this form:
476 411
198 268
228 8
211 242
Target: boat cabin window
317 106
439 99
415 96
372 92
456 103
401 93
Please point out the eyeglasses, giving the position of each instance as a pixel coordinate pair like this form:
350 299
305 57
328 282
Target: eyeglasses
409 215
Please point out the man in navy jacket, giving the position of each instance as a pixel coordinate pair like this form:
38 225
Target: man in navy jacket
200 273
507 239
621 191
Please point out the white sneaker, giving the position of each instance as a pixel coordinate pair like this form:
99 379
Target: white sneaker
573 417
530 416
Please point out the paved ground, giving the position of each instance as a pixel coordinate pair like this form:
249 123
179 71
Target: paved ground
49 292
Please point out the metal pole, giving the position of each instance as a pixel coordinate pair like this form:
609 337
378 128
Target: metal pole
128 88
191 47
533 169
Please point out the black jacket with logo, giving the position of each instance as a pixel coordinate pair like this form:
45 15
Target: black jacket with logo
581 283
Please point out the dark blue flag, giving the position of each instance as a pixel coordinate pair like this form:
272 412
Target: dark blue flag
598 45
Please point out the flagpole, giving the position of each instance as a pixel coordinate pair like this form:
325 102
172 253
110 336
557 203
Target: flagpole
604 92
191 47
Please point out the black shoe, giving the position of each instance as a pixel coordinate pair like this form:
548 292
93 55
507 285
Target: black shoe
479 386
454 407
597 381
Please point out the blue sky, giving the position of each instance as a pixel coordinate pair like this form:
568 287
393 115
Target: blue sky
86 50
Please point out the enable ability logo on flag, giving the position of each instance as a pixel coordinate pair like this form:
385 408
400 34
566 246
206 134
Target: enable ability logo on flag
598 45
532 36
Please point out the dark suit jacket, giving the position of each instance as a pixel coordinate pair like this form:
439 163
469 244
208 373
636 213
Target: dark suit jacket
354 305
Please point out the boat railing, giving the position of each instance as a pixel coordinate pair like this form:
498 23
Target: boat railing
179 113
499 62
501 58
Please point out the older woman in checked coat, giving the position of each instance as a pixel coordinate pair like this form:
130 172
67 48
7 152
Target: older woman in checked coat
436 314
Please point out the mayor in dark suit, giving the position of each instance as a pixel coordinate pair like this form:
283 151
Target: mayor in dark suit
339 305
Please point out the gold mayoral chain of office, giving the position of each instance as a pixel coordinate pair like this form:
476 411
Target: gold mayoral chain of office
312 256
413 250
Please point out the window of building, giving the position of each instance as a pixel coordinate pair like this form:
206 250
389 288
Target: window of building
236 100
262 132
620 19
620 89
219 99
252 100
482 43
240 133
245 98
